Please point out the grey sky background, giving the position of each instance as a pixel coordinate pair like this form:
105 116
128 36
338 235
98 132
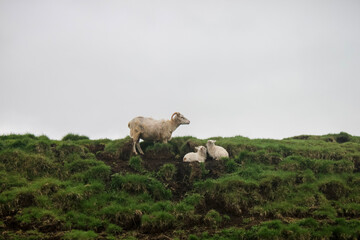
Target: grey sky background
260 69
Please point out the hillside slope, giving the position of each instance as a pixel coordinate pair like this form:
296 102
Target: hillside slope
305 187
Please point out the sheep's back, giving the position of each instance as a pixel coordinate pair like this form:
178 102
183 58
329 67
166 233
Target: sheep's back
149 128
218 152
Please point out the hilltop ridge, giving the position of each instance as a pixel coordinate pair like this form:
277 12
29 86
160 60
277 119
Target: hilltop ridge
76 188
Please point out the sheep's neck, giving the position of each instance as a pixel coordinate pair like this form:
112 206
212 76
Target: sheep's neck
173 125
210 148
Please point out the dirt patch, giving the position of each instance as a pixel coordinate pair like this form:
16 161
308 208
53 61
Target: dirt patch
94 148
182 181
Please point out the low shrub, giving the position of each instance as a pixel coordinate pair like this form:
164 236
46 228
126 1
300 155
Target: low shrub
80 235
133 183
74 137
136 163
325 212
71 196
78 164
96 173
167 172
81 221
230 165
120 148
29 165
41 219
126 217
114 229
343 137
213 218
334 189
157 222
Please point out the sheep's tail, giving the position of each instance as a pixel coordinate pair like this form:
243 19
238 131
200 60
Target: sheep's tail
129 125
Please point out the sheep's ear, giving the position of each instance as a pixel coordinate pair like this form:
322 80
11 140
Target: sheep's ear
196 148
214 141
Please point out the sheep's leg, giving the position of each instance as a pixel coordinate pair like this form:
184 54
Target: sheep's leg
139 148
134 148
136 138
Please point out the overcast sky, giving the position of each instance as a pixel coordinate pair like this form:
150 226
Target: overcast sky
260 69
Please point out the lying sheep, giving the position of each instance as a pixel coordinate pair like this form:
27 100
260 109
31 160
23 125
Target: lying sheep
154 130
216 152
199 155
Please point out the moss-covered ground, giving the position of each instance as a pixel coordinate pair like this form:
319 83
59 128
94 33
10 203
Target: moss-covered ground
305 187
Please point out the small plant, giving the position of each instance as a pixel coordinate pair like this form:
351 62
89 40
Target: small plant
157 221
83 221
326 211
213 218
204 171
159 147
230 165
244 156
136 163
193 199
193 237
343 137
167 172
136 184
334 189
80 235
74 137
114 229
309 176
121 216
96 173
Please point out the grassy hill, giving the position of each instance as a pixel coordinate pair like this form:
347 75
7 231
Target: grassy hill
305 187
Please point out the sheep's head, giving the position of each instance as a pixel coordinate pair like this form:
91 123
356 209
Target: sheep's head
202 150
210 143
179 118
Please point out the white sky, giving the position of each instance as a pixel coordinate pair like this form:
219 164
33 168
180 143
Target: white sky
260 69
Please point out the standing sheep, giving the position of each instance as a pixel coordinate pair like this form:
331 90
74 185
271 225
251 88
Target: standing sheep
154 130
199 155
216 152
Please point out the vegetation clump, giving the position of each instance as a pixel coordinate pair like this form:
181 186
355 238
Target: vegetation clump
167 172
74 137
136 163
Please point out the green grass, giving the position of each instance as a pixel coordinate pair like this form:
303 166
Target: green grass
305 187
136 163
74 137
167 172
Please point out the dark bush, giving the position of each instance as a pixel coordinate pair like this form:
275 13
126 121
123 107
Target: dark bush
136 184
230 165
157 222
334 190
136 163
343 137
74 137
167 172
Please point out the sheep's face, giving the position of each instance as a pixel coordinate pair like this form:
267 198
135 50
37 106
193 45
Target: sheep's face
210 143
202 150
181 119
